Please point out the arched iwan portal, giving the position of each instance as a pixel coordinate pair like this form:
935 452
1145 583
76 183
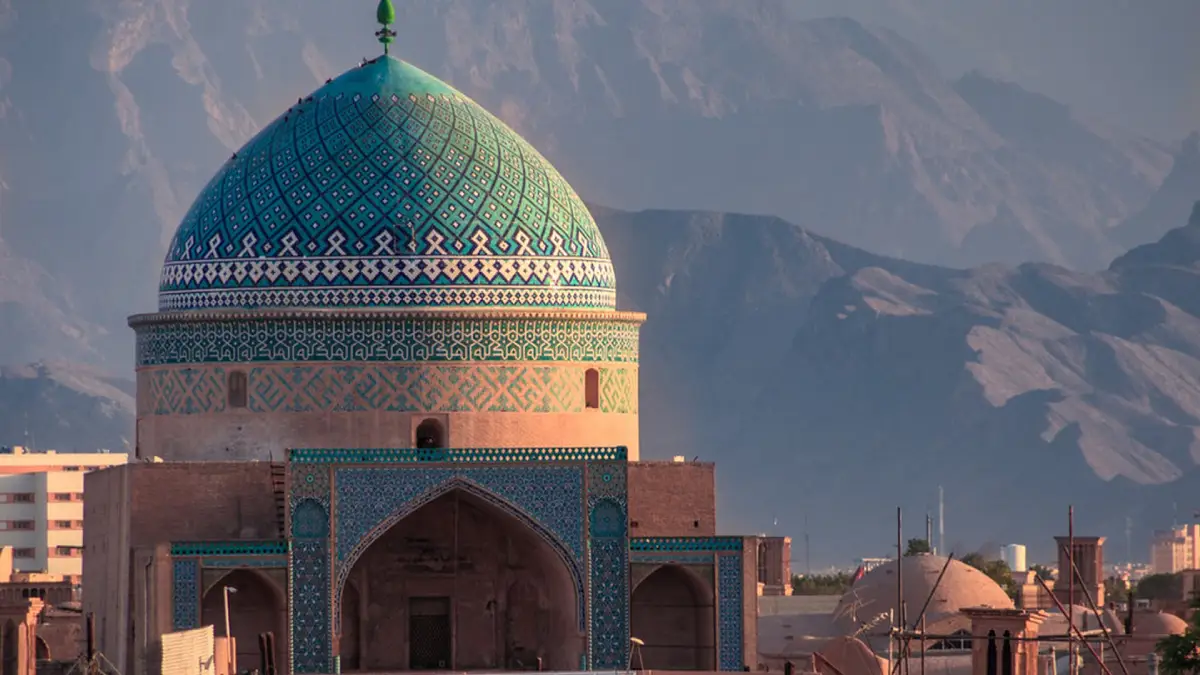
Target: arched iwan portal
460 584
673 613
256 606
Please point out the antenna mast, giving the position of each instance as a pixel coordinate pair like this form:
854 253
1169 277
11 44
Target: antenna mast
941 522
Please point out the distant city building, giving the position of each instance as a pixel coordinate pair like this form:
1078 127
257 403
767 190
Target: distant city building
41 507
1175 550
868 564
1013 555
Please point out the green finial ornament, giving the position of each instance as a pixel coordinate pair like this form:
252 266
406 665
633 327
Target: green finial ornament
385 14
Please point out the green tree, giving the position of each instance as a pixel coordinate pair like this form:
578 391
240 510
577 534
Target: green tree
1160 587
821 584
997 570
1043 572
1116 590
916 547
1181 653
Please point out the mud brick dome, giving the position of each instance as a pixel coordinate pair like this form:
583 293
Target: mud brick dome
385 265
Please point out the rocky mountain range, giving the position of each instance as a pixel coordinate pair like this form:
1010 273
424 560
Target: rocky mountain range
822 376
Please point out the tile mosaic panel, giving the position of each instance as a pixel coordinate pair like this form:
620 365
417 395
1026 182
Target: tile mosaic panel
392 388
608 565
309 591
618 390
185 591
682 544
729 599
386 187
230 548
455 455
390 339
671 558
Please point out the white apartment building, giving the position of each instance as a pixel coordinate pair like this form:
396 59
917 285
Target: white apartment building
41 507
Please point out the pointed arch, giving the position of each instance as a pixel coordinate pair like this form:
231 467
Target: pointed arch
402 511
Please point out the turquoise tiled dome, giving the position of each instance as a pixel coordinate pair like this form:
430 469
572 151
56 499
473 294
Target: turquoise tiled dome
387 188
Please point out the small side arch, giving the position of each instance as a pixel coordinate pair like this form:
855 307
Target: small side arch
673 612
591 389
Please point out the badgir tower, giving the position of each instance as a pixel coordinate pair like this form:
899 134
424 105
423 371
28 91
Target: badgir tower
388 410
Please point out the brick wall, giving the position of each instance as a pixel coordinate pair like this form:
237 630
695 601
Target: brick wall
225 501
672 499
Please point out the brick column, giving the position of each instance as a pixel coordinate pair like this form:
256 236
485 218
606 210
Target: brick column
1004 640
18 632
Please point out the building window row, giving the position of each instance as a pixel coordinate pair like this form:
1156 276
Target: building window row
66 525
18 524
24 553
66 496
68 551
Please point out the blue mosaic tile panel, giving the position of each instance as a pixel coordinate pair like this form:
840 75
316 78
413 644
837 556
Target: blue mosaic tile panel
729 598
309 594
386 339
312 634
387 187
547 499
680 544
185 591
608 596
232 548
456 455
244 563
671 558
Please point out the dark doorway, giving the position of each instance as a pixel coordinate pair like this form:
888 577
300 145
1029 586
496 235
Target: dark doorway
429 633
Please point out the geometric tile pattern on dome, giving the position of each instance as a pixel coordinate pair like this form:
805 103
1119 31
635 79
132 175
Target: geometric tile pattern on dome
387 187
378 387
729 597
386 339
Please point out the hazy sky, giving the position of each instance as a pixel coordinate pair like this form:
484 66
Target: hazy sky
1132 62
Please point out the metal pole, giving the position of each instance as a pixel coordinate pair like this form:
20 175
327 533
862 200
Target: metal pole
900 580
1070 579
228 636
1075 629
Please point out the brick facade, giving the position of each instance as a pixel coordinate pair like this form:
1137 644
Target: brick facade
672 499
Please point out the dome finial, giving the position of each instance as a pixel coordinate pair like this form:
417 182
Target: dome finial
385 14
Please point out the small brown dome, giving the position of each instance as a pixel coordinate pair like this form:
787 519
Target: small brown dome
962 586
1158 623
